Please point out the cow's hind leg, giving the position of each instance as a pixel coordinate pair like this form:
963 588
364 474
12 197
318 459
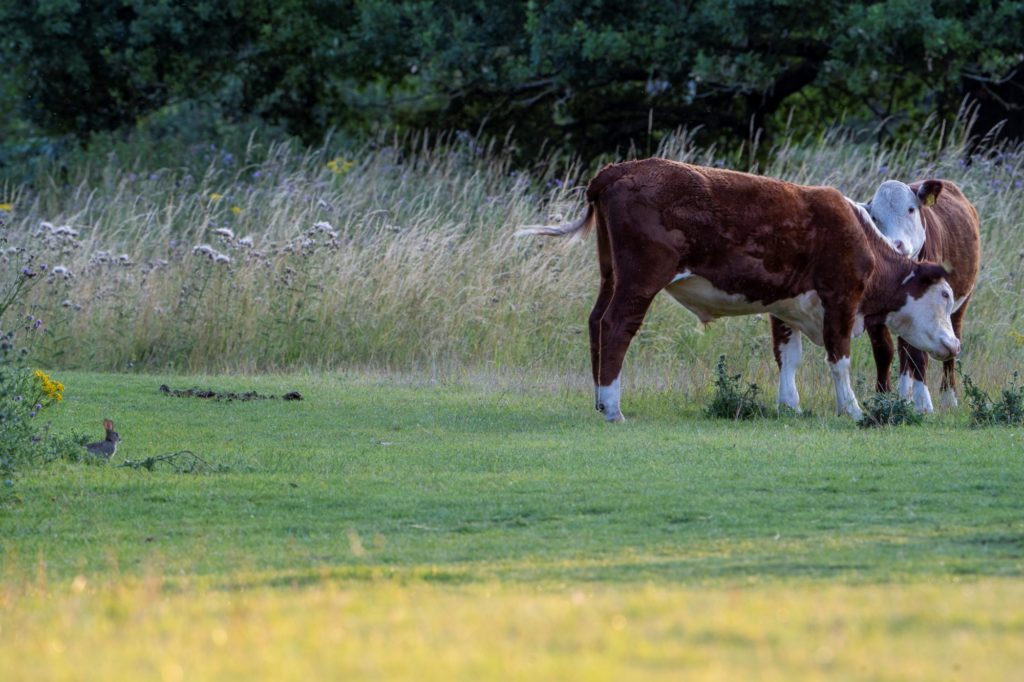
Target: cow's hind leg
913 376
615 330
947 393
604 296
884 351
788 350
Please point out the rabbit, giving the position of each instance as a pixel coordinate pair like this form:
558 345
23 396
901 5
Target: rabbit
105 448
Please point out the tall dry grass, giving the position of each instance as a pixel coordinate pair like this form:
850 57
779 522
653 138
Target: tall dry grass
401 257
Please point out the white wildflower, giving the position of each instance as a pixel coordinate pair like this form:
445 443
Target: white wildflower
64 231
246 242
203 250
224 232
221 258
326 228
61 270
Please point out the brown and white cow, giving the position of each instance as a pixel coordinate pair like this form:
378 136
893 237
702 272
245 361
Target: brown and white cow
933 219
952 236
724 243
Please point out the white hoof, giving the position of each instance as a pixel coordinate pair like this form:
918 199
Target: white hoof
922 398
906 386
948 400
795 407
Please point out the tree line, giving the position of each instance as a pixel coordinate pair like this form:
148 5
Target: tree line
589 76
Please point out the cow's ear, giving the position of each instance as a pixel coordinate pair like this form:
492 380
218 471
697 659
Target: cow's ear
929 191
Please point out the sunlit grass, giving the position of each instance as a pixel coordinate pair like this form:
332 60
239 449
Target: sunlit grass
139 629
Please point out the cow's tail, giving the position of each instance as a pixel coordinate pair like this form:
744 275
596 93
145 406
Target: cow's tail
578 228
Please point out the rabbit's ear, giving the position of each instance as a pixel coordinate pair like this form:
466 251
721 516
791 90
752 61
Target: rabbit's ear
108 425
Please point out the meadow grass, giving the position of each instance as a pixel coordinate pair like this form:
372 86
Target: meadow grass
445 502
399 256
423 529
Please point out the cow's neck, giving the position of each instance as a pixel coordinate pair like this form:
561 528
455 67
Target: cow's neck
886 281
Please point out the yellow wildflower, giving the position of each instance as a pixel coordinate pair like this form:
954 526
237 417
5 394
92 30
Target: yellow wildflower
216 196
7 207
51 389
236 210
1018 337
340 166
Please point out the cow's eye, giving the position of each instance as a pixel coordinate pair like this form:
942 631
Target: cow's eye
910 210
945 295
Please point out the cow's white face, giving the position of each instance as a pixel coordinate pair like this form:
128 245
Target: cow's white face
924 322
896 210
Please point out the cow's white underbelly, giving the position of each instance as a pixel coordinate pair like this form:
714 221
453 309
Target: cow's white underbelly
699 296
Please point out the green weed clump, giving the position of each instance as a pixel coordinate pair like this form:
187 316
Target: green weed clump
730 401
1008 410
888 409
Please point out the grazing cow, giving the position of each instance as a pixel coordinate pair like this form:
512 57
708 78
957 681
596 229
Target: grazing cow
932 219
725 243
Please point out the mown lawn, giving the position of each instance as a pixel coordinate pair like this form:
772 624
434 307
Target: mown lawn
400 528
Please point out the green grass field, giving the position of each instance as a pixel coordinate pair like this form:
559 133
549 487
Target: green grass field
448 505
402 528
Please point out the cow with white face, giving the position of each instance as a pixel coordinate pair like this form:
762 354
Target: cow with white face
950 234
896 210
931 220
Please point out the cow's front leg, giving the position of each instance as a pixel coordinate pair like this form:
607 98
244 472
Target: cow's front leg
913 376
788 349
947 394
837 331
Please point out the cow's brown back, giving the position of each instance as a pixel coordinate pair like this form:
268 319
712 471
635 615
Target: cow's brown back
764 238
952 236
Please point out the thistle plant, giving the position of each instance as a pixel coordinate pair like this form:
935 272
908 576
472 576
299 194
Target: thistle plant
732 402
888 409
1006 410
23 393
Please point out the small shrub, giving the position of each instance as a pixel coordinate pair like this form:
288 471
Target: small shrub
888 409
731 402
23 393
1008 410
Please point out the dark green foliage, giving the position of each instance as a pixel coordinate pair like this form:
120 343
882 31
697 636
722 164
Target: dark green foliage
70 446
732 402
888 409
588 75
1007 411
